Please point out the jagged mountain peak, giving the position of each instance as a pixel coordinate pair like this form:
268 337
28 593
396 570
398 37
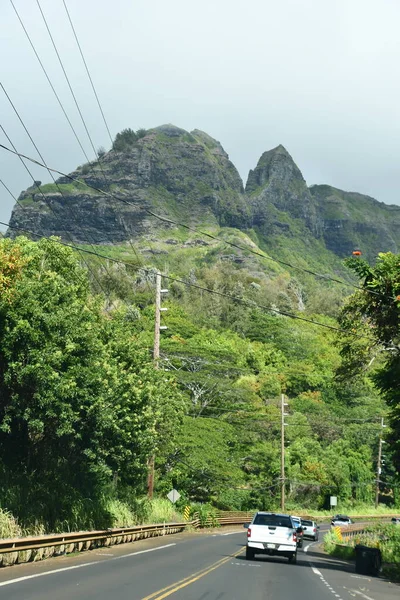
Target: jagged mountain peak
273 164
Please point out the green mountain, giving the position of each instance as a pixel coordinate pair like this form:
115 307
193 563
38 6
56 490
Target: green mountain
189 178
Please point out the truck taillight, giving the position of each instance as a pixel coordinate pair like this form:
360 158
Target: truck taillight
249 532
295 537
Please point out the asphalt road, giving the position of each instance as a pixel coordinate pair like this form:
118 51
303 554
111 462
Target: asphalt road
197 566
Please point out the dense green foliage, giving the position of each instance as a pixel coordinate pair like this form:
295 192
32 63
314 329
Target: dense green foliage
82 408
127 138
374 312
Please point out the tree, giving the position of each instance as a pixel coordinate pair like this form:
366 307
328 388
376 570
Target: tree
81 406
125 140
372 319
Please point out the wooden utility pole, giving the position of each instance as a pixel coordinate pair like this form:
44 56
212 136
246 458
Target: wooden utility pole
379 465
283 404
157 321
156 356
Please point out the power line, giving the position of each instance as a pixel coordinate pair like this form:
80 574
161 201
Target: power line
255 252
215 292
80 111
44 198
165 219
87 71
66 77
53 178
49 81
243 301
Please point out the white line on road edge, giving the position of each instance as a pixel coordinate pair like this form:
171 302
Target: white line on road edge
323 580
232 533
309 546
89 564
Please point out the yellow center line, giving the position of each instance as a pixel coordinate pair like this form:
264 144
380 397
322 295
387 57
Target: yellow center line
177 585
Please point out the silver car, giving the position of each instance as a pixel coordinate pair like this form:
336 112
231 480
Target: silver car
310 529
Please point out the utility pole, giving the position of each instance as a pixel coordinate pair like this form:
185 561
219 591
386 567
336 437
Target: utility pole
157 321
379 465
283 415
156 356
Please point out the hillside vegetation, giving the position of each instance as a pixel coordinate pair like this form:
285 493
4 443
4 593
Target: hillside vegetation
83 409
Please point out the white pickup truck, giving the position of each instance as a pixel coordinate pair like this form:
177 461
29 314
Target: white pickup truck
271 533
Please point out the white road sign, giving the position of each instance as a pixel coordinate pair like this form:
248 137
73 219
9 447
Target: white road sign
174 496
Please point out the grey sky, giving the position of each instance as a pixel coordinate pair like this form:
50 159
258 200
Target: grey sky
318 76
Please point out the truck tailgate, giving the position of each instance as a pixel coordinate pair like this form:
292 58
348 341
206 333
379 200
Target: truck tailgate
271 534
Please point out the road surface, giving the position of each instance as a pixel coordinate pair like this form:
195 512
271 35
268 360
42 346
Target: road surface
191 566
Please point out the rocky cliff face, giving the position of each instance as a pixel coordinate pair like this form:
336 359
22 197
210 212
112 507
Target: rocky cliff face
189 178
350 220
185 176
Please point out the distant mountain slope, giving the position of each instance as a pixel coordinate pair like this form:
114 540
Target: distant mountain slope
189 178
350 220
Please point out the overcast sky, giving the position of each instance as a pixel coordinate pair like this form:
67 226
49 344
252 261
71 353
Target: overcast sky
320 77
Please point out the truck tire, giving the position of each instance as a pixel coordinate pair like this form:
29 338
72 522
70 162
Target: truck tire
293 558
249 553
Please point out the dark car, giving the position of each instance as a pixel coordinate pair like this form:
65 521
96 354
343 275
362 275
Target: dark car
299 530
341 521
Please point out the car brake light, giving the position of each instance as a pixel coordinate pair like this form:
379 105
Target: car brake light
315 530
249 532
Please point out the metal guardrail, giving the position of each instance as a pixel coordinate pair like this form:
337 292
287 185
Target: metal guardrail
84 540
352 530
29 548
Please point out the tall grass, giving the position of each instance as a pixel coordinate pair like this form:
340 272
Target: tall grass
9 527
141 511
87 515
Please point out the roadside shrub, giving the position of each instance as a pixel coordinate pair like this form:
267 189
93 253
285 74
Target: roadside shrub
9 527
207 515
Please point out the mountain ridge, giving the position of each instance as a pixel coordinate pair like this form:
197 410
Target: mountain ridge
189 178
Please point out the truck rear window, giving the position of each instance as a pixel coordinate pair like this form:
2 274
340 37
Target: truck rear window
273 521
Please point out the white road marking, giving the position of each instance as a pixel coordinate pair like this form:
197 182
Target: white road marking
330 588
232 533
358 577
89 564
236 564
359 593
